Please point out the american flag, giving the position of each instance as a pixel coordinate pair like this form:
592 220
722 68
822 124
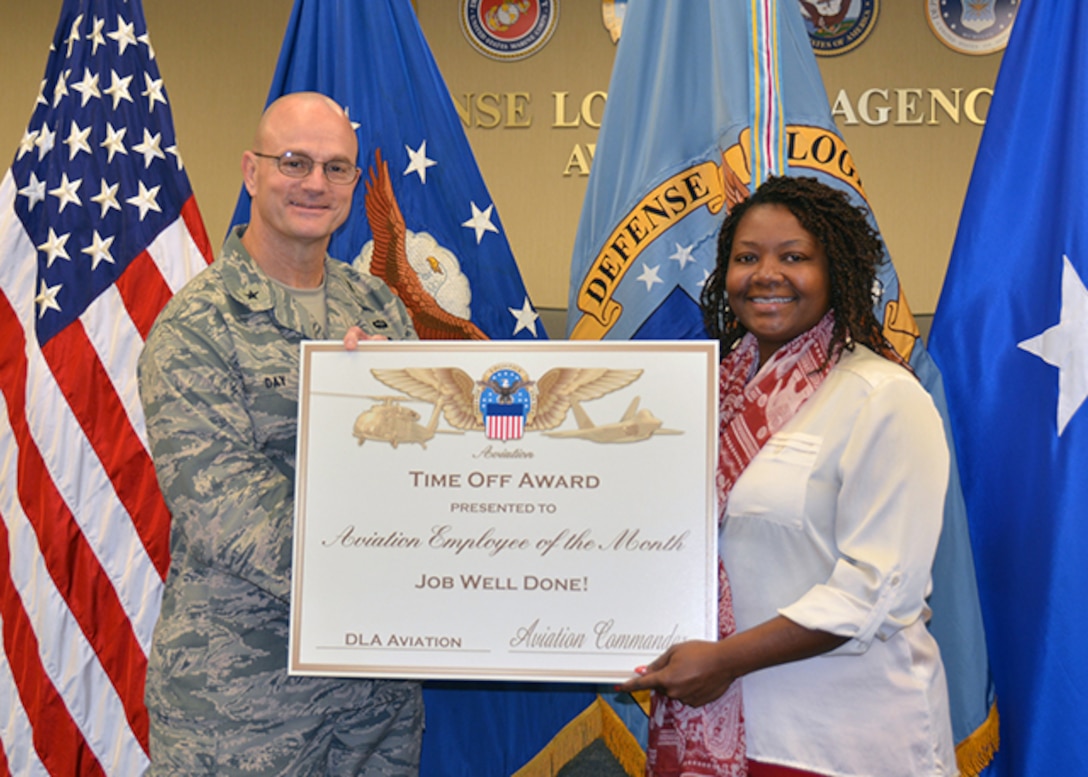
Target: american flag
504 422
98 228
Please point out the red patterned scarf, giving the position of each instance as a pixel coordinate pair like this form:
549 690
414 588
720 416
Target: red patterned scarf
709 740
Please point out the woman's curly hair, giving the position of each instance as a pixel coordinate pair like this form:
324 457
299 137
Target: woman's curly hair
853 248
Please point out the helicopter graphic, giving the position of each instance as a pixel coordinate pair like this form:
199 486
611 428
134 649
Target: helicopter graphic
393 423
634 426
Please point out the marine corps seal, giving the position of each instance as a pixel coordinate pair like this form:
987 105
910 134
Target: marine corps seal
509 30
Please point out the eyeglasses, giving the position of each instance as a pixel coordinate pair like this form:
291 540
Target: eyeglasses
296 165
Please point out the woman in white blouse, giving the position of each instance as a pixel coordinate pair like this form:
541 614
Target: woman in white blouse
831 480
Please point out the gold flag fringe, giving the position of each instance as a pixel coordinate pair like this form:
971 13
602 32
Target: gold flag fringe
600 721
623 744
976 751
597 721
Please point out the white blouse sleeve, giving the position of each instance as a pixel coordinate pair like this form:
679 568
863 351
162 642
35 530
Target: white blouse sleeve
893 474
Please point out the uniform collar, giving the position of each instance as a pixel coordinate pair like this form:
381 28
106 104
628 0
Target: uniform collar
248 285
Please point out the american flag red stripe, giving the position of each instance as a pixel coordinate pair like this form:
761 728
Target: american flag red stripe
42 540
24 663
144 292
84 537
90 394
504 427
76 570
163 268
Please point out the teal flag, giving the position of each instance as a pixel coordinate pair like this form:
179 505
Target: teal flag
708 98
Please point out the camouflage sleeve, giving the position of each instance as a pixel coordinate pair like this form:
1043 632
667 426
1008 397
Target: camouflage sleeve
231 506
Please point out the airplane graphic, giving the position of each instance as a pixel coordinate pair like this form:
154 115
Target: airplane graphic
634 426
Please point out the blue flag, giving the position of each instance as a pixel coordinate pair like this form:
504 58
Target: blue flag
706 100
439 242
1011 336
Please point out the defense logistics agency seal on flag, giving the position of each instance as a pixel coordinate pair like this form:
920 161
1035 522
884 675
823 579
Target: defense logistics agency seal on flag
837 26
972 26
509 30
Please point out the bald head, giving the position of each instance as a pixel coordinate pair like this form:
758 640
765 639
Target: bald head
293 215
302 108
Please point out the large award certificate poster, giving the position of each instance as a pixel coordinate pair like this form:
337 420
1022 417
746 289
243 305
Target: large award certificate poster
501 511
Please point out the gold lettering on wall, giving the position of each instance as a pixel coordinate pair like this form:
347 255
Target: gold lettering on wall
589 113
970 104
907 106
560 101
517 107
875 107
949 105
580 159
490 110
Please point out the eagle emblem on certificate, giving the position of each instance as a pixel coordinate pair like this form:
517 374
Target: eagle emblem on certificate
504 403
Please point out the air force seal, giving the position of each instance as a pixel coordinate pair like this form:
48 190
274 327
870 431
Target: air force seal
508 30
972 26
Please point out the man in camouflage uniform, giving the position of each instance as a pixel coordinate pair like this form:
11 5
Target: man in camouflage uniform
219 385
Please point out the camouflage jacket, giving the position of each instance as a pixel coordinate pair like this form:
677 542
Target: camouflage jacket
219 381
